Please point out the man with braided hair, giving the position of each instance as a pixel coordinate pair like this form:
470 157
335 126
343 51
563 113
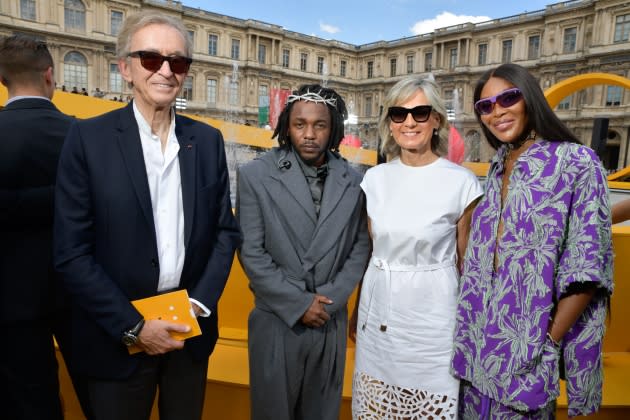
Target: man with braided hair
306 245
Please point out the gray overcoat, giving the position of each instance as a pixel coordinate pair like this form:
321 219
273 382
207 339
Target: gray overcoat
289 255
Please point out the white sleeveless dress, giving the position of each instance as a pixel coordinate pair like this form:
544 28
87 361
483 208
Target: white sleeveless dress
409 293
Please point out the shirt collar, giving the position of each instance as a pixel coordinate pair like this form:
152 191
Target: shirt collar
17 98
312 171
145 128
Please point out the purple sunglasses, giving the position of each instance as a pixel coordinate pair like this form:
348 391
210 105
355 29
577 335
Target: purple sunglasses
506 99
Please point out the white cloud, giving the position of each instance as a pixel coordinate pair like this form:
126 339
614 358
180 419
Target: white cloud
330 29
443 20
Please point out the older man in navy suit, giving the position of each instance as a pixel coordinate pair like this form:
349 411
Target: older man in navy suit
142 208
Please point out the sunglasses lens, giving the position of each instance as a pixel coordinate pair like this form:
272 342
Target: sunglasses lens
509 98
151 61
398 114
484 106
179 64
421 113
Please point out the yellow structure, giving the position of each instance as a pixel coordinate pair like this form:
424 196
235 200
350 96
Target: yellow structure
86 106
568 86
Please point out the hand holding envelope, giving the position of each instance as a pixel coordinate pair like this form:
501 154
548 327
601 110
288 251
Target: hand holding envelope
173 307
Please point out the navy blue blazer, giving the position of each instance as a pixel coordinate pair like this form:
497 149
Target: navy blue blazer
105 243
32 131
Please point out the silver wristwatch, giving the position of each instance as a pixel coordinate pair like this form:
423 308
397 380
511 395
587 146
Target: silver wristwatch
130 337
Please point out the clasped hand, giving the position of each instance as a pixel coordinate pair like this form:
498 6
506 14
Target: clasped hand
316 315
155 337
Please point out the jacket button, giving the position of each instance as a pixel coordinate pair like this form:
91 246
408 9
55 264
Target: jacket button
154 262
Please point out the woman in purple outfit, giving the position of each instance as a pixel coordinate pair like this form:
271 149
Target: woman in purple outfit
538 267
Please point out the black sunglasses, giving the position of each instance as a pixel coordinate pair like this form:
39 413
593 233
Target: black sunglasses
419 113
506 99
153 61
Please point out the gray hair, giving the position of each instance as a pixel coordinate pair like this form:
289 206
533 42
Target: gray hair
402 91
145 18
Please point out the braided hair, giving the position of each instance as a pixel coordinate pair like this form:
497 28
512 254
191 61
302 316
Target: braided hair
336 107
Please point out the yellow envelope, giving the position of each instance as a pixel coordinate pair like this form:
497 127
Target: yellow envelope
172 307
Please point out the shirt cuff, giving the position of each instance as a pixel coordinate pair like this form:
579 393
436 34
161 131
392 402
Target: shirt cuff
205 311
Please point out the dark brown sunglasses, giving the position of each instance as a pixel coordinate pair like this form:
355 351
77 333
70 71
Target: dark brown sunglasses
153 61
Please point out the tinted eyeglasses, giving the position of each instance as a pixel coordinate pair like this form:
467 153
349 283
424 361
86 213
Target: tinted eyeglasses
419 113
153 61
506 99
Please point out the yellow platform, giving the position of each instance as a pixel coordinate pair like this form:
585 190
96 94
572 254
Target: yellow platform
227 393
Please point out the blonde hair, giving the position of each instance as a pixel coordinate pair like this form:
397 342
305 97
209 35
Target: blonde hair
145 18
402 91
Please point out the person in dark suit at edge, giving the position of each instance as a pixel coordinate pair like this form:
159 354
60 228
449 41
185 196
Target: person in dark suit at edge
31 301
142 208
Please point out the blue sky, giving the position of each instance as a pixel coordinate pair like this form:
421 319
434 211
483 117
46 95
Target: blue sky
361 22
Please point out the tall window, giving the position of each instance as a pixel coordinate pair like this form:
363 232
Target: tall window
115 79
191 35
428 62
115 21
285 58
320 65
410 60
236 49
506 51
303 61
570 38
622 28
28 9
262 53
370 69
452 61
392 67
448 102
233 99
75 70
533 47
482 57
343 64
613 96
74 15
565 103
187 89
213 44
263 95
211 91
368 106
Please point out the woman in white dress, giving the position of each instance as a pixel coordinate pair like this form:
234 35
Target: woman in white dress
419 206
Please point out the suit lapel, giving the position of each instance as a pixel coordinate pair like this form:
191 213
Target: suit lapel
187 167
336 184
131 147
295 183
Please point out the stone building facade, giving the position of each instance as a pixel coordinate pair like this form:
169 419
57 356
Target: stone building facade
238 62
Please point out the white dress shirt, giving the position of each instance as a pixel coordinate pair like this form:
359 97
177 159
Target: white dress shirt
165 187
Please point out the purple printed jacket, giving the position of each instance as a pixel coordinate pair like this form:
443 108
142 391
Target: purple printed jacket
556 231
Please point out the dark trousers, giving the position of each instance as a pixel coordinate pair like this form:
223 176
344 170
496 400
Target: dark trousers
180 379
297 373
29 385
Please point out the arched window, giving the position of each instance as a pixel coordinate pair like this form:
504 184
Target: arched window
75 70
74 15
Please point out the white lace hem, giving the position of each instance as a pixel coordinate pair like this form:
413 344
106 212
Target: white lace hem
374 400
